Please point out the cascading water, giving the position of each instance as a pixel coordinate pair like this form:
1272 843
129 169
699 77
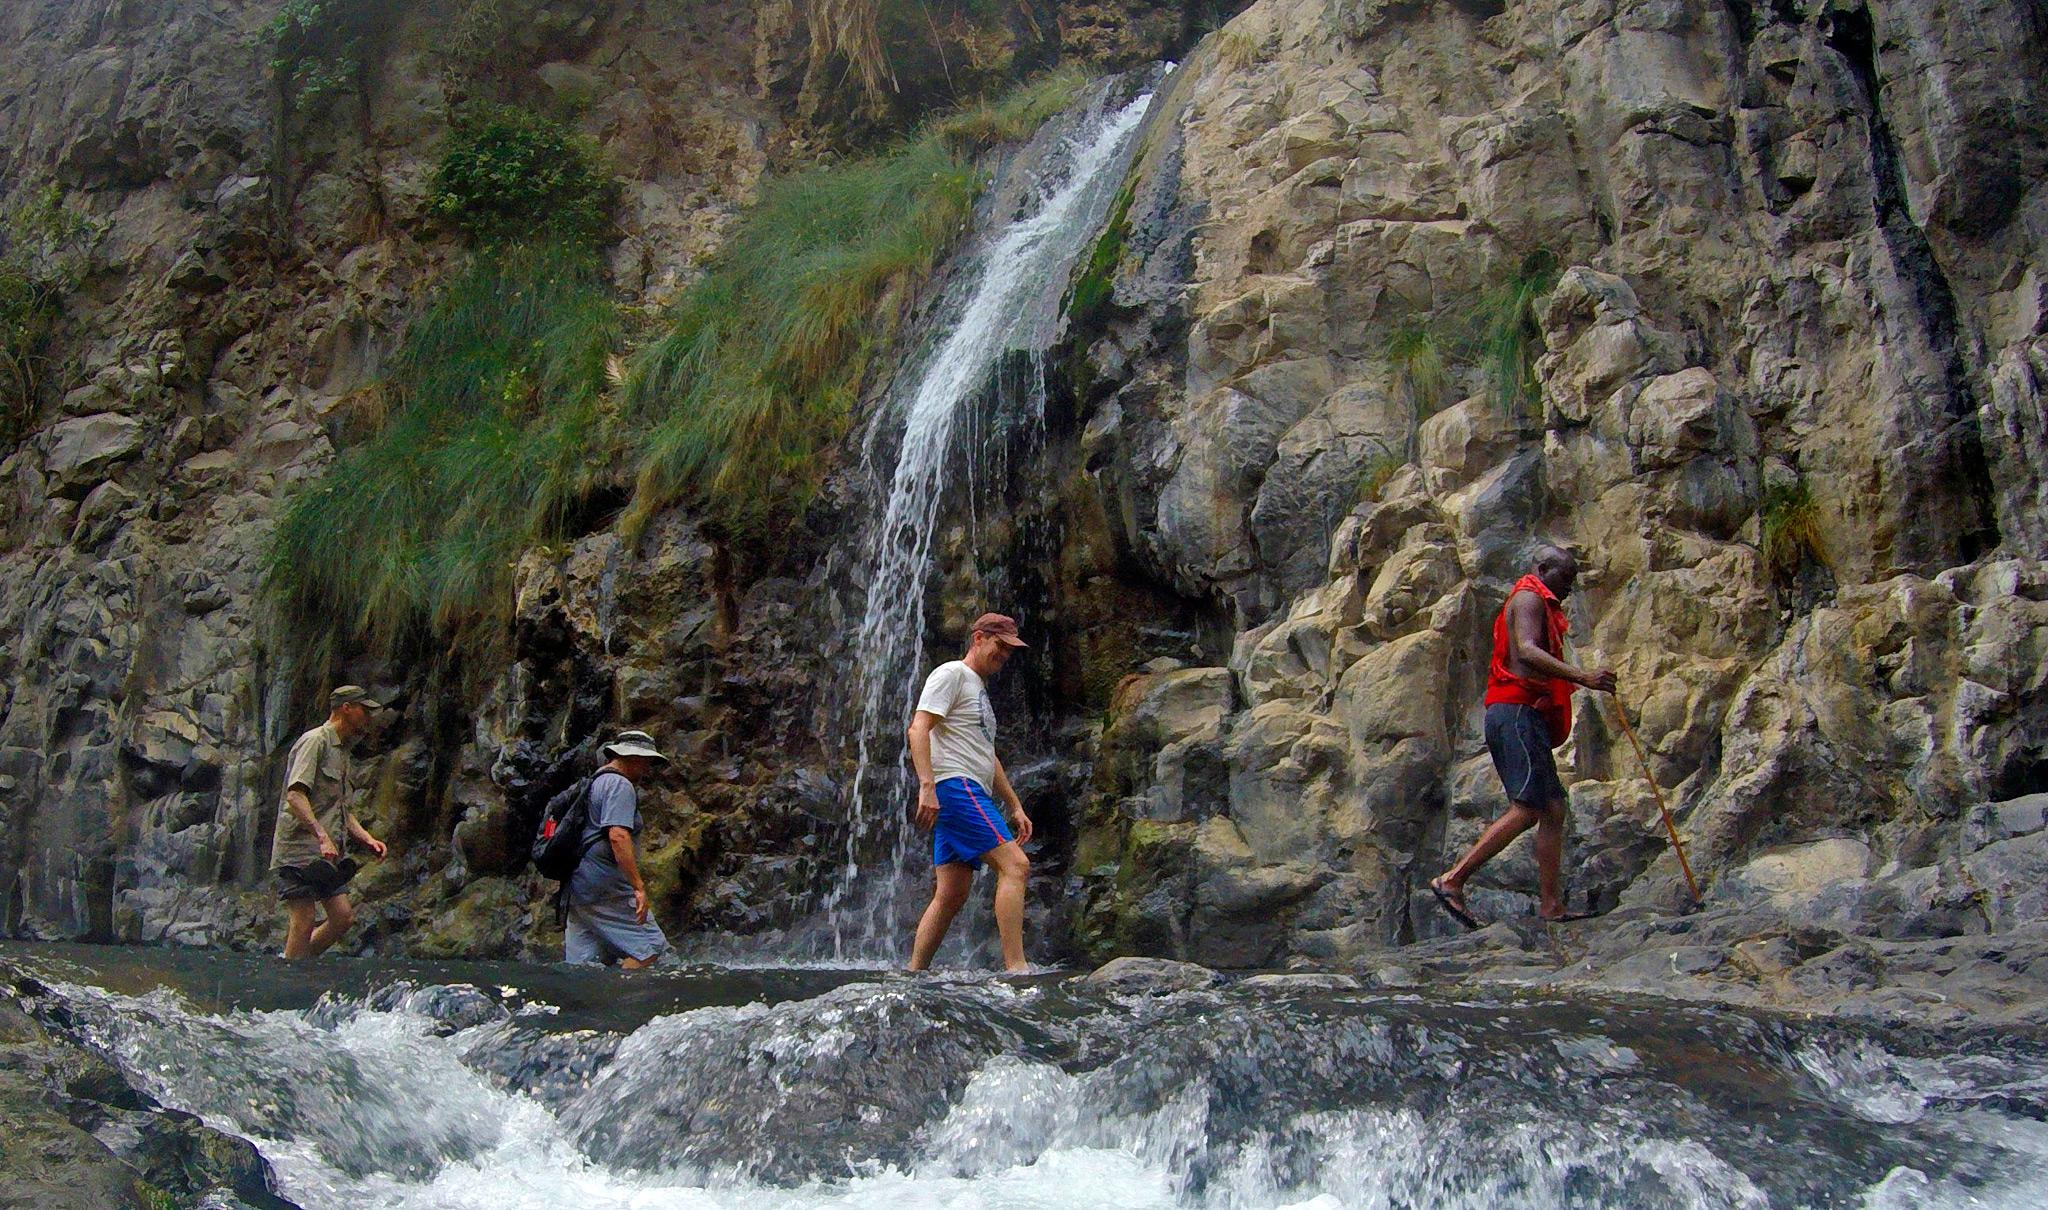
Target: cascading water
673 1091
1007 303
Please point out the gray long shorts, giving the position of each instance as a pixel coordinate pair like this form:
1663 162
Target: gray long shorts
1519 741
605 931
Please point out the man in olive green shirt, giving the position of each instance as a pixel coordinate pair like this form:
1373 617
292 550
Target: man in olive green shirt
314 826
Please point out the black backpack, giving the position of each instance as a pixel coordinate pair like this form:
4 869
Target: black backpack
557 842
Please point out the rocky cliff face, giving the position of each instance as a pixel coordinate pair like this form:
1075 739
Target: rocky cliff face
1795 297
253 263
1797 246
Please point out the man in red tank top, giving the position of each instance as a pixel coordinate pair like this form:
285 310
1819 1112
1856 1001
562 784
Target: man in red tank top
1529 691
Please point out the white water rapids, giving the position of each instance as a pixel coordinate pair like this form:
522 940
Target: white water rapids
966 1094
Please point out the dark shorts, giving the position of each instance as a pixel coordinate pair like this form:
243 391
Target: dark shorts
314 880
1519 741
969 823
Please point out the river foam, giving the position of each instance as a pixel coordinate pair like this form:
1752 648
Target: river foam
898 1094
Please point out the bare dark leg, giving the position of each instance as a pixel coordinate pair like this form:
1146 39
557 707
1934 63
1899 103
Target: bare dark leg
1518 819
1549 857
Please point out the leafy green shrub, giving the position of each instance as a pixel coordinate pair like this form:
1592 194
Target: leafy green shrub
47 253
1793 529
508 175
1509 338
494 424
765 357
317 48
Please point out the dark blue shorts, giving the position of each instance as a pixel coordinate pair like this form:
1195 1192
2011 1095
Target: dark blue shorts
969 823
1519 741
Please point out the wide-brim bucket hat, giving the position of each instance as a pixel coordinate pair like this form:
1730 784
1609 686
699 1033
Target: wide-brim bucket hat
633 743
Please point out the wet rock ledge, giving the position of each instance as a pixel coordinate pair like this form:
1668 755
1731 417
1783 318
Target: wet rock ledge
75 1135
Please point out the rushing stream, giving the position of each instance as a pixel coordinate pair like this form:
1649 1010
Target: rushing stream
500 1086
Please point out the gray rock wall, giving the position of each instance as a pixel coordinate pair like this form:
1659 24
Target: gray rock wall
1798 246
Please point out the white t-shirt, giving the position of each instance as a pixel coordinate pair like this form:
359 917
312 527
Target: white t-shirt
964 742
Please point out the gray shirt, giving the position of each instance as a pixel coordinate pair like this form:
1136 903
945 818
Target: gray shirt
614 803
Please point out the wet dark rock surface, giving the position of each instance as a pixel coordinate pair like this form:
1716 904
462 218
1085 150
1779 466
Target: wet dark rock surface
80 1134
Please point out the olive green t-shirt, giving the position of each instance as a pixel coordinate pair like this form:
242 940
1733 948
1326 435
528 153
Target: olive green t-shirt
319 765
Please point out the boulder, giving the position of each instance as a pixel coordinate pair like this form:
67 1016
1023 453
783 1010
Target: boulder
1151 975
78 452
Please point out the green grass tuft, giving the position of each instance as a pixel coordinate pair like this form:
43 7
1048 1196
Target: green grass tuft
1793 530
1377 471
1421 376
1508 336
1014 117
493 430
765 358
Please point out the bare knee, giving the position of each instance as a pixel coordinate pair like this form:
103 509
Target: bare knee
341 914
1015 867
949 899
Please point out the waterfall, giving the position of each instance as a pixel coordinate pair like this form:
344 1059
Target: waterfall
1006 302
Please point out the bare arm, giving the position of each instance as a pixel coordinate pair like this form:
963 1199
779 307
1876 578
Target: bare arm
1528 634
920 733
1018 819
301 807
622 853
363 837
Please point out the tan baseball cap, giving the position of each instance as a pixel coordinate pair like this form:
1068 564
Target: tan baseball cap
998 625
353 695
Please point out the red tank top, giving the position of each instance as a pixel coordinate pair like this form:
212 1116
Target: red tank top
1548 694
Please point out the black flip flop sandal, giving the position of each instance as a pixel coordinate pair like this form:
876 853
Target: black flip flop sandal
1457 911
1567 918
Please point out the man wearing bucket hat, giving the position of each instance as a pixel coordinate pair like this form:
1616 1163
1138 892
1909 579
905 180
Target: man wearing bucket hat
607 916
959 782
309 854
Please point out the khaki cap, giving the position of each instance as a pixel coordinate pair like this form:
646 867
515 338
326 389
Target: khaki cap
356 694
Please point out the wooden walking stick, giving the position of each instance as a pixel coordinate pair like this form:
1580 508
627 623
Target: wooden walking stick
1621 712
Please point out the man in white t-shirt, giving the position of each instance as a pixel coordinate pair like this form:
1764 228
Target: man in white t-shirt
959 783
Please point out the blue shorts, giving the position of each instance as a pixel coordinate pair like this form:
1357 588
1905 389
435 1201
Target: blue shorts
969 823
